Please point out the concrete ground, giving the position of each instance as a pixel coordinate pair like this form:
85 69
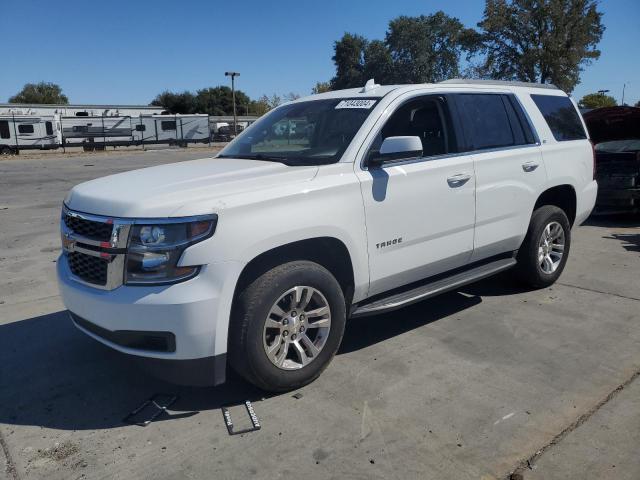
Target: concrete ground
475 384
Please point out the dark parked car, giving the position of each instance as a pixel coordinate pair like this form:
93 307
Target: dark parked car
615 132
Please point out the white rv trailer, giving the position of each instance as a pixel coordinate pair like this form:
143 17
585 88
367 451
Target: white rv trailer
29 132
98 132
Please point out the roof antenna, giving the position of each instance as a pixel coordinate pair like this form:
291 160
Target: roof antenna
370 85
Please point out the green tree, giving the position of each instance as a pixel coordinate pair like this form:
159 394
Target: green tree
349 60
321 87
378 63
219 101
42 92
427 48
176 102
212 101
420 49
597 100
546 41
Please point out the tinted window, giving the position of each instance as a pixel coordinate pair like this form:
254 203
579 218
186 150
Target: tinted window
49 127
140 128
425 117
487 121
561 116
168 125
25 128
4 129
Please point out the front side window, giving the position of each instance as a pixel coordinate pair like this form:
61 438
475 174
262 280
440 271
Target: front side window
561 116
168 125
425 117
49 127
26 129
303 133
4 129
486 121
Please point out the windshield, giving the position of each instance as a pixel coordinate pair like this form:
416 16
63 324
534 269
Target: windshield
304 133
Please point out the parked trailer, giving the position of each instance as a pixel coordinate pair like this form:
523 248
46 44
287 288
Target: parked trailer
29 132
94 133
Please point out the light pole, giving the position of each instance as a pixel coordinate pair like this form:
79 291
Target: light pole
233 75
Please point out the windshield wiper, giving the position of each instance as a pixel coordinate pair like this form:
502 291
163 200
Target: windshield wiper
258 156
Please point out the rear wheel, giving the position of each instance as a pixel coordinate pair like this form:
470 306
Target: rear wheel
544 252
286 326
4 150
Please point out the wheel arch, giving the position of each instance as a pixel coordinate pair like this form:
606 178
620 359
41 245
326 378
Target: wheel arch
330 252
562 196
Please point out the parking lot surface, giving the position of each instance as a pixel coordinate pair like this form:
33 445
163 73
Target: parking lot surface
475 384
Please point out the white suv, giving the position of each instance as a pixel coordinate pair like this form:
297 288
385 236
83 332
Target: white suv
338 205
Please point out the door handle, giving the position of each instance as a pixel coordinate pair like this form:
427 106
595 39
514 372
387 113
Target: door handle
458 180
529 166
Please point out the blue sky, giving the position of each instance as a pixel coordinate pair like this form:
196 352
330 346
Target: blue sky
127 52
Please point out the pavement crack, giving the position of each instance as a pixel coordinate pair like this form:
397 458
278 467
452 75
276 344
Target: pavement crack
528 463
598 291
10 467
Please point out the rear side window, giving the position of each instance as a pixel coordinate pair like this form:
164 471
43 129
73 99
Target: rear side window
49 127
492 121
4 129
25 128
561 116
168 125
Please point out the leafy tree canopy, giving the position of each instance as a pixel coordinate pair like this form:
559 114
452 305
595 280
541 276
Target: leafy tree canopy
415 50
546 41
42 92
597 100
213 101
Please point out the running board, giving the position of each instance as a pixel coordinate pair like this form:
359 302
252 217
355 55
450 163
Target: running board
431 289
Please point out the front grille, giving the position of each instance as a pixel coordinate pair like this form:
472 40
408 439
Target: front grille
88 228
88 268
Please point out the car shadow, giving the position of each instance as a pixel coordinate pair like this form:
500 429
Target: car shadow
53 376
619 220
630 241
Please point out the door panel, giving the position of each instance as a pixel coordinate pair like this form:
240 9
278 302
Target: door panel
508 184
418 224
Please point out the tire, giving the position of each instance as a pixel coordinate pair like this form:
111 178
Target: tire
533 269
250 338
4 150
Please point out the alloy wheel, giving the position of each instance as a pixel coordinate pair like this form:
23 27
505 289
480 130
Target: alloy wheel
551 247
296 328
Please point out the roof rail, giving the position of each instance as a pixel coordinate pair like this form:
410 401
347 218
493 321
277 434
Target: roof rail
470 81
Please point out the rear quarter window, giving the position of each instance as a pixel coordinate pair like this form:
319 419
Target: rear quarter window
561 116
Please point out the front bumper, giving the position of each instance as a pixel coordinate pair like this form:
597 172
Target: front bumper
166 327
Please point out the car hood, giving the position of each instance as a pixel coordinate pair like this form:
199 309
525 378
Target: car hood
180 189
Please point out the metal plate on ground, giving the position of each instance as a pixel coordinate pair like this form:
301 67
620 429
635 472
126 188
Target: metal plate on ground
150 409
252 416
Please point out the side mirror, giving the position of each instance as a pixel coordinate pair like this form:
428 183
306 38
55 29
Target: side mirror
396 148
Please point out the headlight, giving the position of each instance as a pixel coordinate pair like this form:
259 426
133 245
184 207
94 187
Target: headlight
155 250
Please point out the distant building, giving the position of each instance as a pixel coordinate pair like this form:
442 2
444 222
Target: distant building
78 110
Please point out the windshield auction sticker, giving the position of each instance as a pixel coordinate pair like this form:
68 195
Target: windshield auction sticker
355 103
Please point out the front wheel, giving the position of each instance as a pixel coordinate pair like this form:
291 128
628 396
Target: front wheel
286 326
544 252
